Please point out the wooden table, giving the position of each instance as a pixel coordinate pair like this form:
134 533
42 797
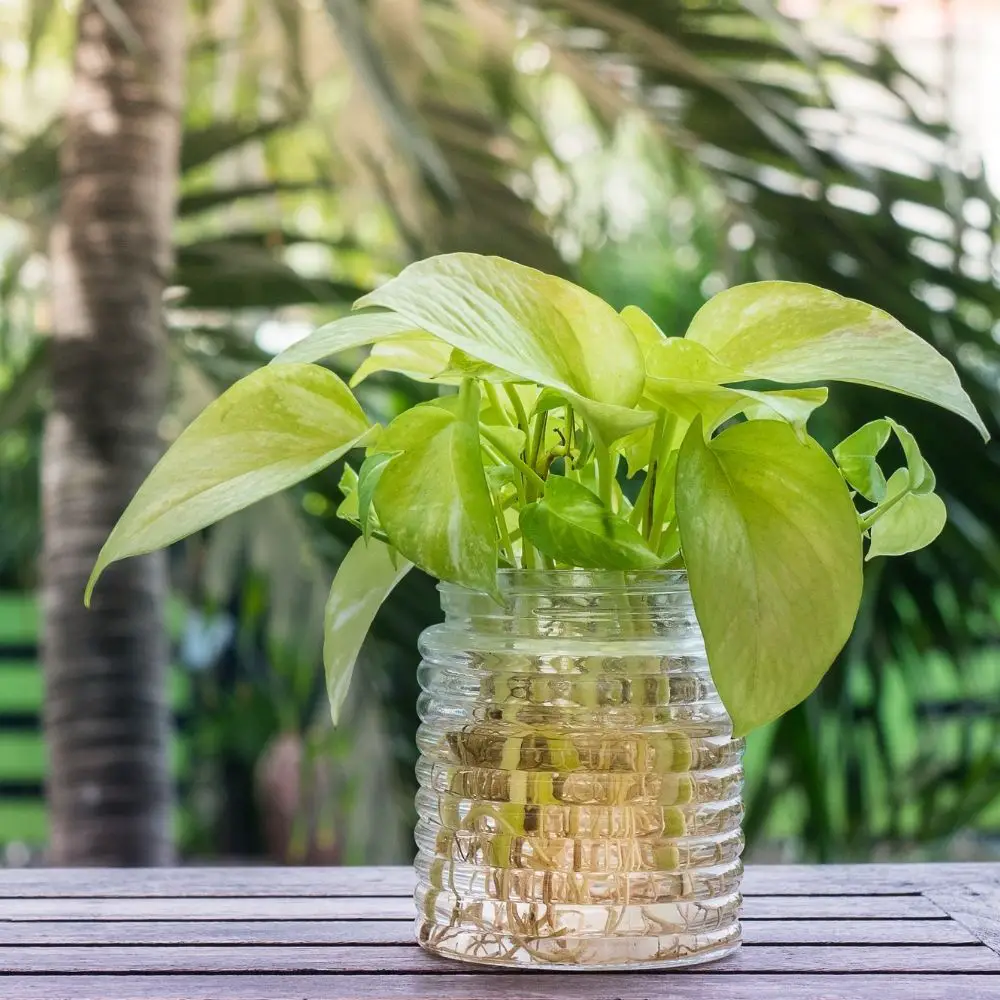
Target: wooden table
885 932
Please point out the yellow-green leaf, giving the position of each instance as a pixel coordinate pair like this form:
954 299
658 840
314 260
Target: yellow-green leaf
268 431
356 330
910 524
534 325
773 553
571 525
792 332
432 499
418 356
364 580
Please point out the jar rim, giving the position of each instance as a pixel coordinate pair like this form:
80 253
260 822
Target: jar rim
517 582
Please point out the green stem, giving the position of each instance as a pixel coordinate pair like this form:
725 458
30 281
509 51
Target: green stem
661 496
491 395
468 401
868 519
529 473
605 473
515 401
503 533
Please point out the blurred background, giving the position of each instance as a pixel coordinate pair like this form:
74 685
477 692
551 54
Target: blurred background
655 151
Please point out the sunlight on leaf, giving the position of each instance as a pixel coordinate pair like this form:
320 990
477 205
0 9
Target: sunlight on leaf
534 325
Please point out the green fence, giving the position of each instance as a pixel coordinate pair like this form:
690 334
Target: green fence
23 813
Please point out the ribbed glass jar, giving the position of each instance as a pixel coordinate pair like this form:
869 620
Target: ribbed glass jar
580 788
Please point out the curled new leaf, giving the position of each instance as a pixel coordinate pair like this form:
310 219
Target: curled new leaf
268 431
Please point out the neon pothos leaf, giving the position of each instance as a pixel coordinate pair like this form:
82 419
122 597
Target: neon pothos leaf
364 580
791 332
432 499
418 356
534 325
571 525
773 552
685 378
356 330
910 524
268 431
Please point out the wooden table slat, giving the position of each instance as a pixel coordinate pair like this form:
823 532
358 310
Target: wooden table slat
397 958
770 880
401 908
503 986
400 932
879 932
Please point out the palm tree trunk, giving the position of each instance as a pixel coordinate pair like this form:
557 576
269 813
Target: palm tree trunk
106 716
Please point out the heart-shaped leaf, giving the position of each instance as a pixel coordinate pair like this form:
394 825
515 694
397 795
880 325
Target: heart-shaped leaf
432 499
571 525
534 325
368 477
364 580
773 552
910 524
266 432
791 332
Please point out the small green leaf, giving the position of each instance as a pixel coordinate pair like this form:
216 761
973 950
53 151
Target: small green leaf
364 580
773 552
791 332
371 472
571 525
534 325
910 524
418 356
268 431
432 499
856 456
356 330
921 475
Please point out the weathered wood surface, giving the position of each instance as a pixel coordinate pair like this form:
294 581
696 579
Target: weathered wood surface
881 932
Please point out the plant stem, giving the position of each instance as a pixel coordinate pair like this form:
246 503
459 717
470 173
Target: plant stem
533 477
503 533
515 401
605 472
869 518
664 491
491 395
468 400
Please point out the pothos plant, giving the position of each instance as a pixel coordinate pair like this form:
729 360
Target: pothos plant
550 403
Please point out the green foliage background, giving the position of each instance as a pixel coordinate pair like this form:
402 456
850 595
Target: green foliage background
655 152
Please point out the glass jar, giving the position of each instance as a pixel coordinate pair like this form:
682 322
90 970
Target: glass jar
580 789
